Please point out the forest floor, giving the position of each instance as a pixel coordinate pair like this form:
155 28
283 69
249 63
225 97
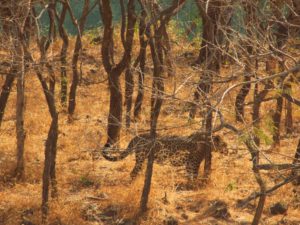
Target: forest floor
95 191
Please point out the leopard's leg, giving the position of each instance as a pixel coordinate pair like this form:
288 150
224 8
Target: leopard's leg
192 165
137 167
192 169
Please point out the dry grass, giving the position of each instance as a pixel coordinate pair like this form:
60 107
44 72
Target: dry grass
87 187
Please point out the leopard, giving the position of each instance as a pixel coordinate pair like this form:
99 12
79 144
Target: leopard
188 151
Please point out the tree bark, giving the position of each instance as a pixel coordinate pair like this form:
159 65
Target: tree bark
129 85
20 130
49 167
297 160
63 55
156 102
277 120
289 112
157 91
6 88
19 13
244 91
114 71
142 64
258 99
76 54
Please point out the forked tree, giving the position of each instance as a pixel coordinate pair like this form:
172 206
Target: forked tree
113 70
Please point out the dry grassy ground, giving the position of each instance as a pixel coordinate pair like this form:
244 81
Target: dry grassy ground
95 191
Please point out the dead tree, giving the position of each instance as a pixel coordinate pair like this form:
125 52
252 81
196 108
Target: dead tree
113 70
76 54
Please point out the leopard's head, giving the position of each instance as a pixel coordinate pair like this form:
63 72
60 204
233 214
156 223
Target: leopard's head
219 145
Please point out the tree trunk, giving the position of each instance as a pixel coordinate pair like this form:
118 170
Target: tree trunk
129 85
244 91
76 53
114 71
19 171
115 108
6 88
142 63
20 11
297 160
258 99
289 112
156 102
63 56
277 120
49 167
167 52
157 93
259 96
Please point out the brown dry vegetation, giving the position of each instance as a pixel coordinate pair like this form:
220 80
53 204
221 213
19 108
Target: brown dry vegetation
91 188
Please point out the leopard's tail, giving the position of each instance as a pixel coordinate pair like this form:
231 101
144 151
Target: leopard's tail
107 148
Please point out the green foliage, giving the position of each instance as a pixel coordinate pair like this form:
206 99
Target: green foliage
260 133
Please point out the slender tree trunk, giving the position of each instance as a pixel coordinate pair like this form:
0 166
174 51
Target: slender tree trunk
258 99
279 106
289 114
167 52
20 130
128 94
19 11
142 64
157 92
296 160
259 96
156 102
63 56
49 167
49 176
206 88
277 120
6 88
10 77
76 53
